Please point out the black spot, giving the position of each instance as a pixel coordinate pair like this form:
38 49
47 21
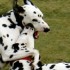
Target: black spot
11 39
39 16
5 48
11 56
28 61
15 47
35 20
34 12
4 25
52 66
1 60
18 65
39 57
68 66
22 49
12 25
26 51
1 41
25 33
22 44
39 69
39 65
24 14
7 35
4 36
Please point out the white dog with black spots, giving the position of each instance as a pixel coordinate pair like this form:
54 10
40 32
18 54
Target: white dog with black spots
12 24
25 43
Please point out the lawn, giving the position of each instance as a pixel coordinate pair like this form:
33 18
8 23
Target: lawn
53 46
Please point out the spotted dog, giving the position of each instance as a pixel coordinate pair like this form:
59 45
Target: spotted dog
26 65
25 43
12 24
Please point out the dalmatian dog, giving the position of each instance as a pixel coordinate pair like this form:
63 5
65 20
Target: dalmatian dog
26 44
26 65
12 24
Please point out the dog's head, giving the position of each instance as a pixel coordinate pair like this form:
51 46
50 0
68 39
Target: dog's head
29 30
31 14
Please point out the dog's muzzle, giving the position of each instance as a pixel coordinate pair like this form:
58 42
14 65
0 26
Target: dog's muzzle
46 29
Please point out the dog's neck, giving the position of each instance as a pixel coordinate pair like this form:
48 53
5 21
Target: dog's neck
15 18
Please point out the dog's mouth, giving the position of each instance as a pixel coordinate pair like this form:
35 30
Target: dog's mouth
36 35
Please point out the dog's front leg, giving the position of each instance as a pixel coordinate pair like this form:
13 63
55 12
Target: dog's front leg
35 54
17 53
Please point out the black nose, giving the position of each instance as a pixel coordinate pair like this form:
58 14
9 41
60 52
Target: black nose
46 29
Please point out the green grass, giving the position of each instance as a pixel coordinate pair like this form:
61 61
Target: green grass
54 46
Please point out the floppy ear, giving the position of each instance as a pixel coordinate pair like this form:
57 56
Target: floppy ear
28 2
17 8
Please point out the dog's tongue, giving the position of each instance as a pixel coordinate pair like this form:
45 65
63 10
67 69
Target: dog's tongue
36 34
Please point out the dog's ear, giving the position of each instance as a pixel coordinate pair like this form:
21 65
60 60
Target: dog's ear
17 8
28 2
14 4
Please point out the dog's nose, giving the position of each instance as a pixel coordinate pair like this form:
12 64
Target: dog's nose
46 29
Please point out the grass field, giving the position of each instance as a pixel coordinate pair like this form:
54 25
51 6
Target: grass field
54 46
